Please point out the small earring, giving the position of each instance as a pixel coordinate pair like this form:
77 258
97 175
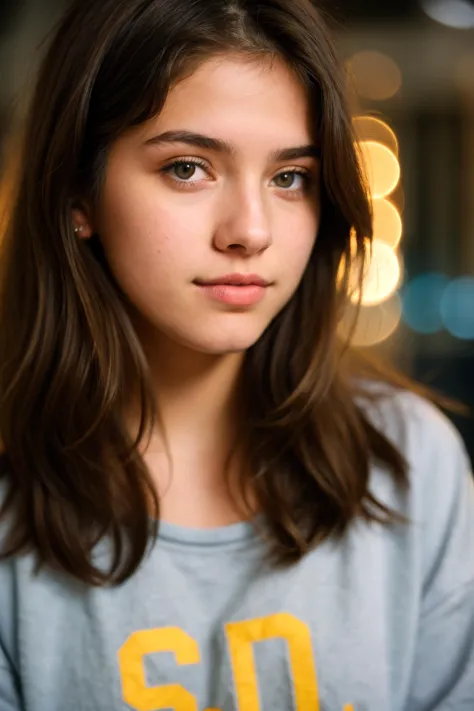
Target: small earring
78 229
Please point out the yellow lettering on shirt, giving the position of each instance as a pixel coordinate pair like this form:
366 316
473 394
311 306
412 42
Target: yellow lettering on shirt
241 637
135 691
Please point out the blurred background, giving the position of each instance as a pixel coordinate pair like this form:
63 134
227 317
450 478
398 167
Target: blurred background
411 69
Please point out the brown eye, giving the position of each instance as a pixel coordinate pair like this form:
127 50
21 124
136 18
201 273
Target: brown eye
285 180
184 171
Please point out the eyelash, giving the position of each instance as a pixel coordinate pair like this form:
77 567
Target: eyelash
186 184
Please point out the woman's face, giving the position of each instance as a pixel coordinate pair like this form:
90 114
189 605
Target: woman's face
221 187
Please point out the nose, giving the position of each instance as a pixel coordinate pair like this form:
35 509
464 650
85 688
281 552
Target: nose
244 224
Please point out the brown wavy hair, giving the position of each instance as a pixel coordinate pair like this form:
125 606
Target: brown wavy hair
68 351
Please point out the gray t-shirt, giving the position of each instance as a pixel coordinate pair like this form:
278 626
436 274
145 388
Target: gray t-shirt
380 621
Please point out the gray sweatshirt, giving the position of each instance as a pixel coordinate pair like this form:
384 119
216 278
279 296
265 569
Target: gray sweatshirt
382 620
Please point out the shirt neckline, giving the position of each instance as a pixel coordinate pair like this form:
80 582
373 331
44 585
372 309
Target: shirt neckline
222 535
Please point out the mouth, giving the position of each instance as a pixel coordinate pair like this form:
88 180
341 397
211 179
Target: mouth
234 280
235 290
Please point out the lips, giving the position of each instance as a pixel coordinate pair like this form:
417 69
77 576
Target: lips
234 280
235 290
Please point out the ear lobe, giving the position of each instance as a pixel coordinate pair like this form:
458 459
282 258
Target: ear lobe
81 223
78 231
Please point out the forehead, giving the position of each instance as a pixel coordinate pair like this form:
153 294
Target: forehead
240 99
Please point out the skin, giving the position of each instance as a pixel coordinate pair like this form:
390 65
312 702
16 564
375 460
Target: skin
164 226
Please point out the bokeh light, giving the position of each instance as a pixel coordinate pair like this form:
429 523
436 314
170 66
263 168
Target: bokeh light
374 323
381 277
457 307
421 299
369 128
387 222
452 13
377 145
381 167
375 75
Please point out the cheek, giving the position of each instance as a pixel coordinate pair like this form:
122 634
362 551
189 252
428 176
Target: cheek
143 235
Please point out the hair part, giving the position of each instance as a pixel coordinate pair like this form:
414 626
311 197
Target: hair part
68 351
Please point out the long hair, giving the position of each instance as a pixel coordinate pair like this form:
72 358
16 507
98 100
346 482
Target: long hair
68 352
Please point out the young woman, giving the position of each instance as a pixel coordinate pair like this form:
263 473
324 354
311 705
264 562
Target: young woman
206 503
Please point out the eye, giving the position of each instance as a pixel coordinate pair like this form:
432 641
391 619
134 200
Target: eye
183 170
293 180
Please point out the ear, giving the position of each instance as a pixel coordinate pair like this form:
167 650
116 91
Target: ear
82 220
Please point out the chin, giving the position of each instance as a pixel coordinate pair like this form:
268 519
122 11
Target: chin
224 347
220 343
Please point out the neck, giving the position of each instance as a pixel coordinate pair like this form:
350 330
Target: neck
198 412
196 393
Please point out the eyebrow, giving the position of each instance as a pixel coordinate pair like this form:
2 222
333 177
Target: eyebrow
219 146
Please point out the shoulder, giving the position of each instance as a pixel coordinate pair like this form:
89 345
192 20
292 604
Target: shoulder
431 445
440 501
